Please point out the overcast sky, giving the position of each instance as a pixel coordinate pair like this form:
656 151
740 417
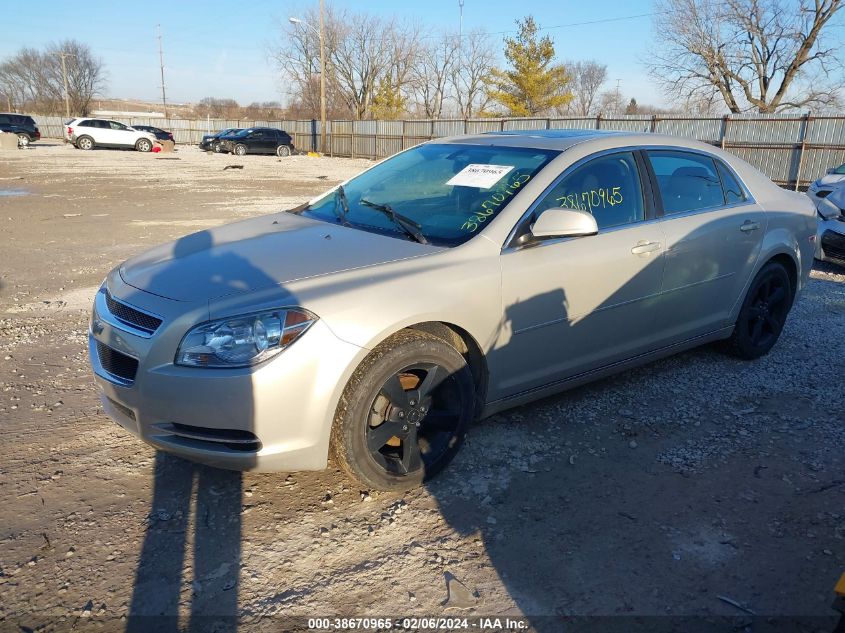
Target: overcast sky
217 48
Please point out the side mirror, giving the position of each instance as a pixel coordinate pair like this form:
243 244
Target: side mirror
830 170
558 222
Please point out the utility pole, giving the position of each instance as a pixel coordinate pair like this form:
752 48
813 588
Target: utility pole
320 34
460 31
161 64
617 105
63 55
322 83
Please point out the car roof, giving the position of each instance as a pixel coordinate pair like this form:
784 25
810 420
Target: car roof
562 139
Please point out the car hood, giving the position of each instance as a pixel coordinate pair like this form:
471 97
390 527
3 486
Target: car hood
259 253
831 179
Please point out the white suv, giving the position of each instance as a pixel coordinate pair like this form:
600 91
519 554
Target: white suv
89 133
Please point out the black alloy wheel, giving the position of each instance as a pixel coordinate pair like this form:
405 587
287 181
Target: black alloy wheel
404 412
414 419
763 313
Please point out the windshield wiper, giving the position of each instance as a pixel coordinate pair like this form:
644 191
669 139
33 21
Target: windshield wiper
344 203
406 224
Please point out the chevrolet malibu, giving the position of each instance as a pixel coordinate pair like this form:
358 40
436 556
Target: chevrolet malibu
451 281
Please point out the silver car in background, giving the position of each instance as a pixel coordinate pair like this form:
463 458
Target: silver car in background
828 194
451 281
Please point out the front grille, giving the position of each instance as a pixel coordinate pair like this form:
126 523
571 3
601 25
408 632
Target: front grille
130 316
833 245
117 364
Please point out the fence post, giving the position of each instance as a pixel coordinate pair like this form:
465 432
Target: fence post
548 124
314 135
598 121
653 123
403 133
330 136
724 131
803 140
501 125
352 142
431 132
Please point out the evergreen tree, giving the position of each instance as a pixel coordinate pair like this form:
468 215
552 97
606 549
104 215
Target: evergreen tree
533 84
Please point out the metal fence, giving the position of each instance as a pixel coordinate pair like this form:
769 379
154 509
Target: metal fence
791 150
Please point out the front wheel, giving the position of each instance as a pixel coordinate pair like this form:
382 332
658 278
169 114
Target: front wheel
23 140
404 413
144 145
283 150
763 313
240 150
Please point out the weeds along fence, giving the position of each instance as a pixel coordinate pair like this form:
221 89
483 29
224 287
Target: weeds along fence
792 150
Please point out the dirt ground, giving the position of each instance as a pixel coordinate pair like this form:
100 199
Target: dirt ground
673 490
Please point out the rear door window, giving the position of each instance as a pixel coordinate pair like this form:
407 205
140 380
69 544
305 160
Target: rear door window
687 181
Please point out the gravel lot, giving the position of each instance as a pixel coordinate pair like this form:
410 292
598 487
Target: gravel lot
652 493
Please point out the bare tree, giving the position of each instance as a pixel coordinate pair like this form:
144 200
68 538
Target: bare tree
33 79
611 103
764 55
476 58
587 79
432 72
297 56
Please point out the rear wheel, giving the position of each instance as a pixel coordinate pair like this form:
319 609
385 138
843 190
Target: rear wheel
283 150
240 150
763 313
404 413
144 145
85 142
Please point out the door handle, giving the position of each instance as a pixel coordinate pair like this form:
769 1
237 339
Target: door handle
644 248
748 226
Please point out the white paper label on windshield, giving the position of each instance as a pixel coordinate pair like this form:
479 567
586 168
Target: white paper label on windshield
482 176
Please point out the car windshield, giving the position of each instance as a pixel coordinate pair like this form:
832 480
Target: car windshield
839 171
450 191
242 132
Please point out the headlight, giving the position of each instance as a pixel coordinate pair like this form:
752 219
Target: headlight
243 340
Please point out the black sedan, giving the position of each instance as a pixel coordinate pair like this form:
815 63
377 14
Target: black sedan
161 135
258 140
211 141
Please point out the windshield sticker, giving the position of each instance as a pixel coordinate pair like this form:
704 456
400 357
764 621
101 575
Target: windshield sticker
600 198
493 201
481 176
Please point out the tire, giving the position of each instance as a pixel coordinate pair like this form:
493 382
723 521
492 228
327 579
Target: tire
763 313
144 145
23 140
85 142
404 413
240 150
217 148
283 150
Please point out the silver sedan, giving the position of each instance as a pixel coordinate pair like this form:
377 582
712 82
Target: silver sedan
451 281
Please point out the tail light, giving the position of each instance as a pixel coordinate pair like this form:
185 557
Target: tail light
69 131
37 135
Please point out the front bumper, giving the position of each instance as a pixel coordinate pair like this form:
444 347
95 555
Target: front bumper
273 417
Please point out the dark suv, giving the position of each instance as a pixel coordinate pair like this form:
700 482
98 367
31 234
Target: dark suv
258 140
22 125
